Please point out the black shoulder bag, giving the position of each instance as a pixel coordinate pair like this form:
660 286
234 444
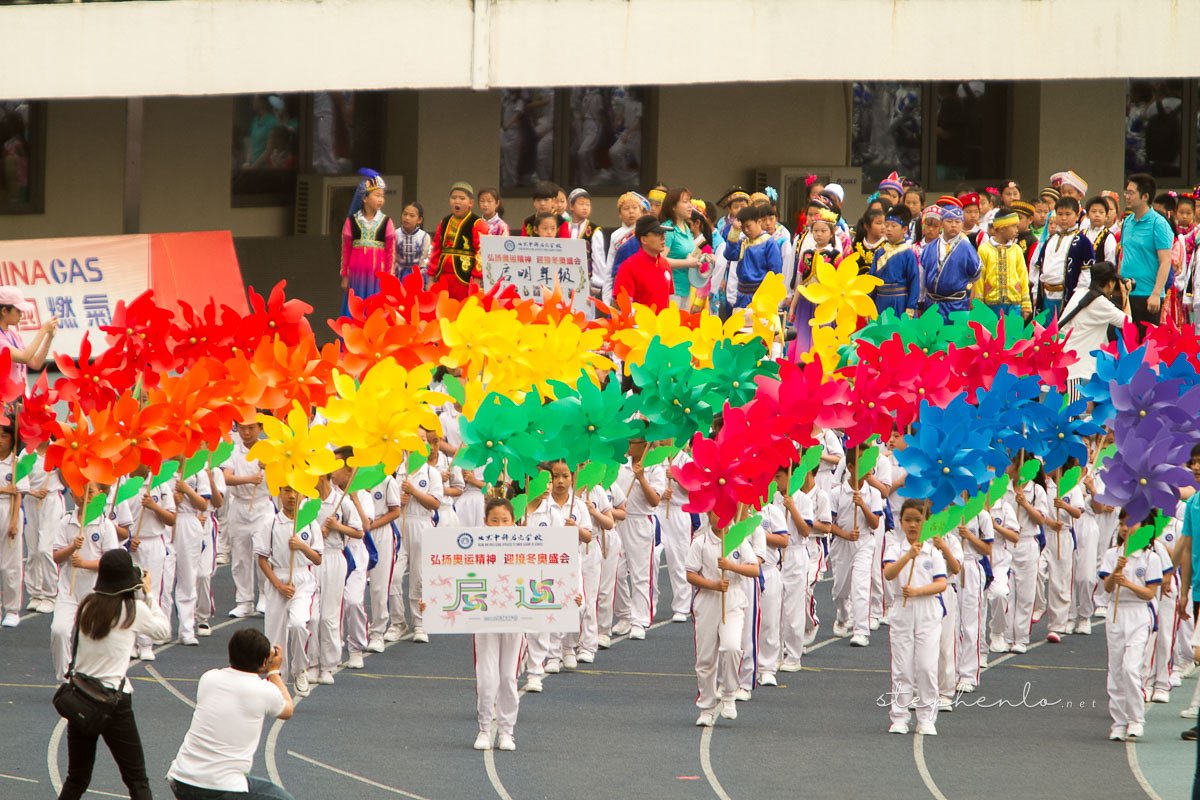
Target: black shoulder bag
84 701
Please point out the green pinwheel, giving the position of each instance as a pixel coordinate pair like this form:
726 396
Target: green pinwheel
735 368
928 331
498 438
586 423
673 405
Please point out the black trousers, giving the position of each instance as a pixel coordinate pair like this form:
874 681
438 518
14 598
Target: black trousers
123 742
1140 314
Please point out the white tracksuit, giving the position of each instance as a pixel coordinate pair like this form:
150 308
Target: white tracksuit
42 519
971 646
545 647
325 626
250 510
1003 513
386 497
610 546
1127 632
770 597
191 530
718 643
1060 556
1157 662
591 564
1024 571
853 562
795 587
915 634
1087 556
752 613
75 583
948 642
879 598
205 601
286 621
497 668
12 548
818 556
470 504
638 532
415 520
676 527
154 548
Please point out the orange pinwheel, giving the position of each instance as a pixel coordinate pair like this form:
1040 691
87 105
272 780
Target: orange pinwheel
143 430
385 334
250 386
195 416
84 450
294 374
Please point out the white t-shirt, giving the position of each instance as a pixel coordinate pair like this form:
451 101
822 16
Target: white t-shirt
218 750
107 659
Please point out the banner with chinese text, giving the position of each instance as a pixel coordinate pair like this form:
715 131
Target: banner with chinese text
529 264
79 280
501 580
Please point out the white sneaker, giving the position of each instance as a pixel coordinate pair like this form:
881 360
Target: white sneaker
965 687
302 686
569 661
841 631
420 636
679 618
46 605
946 704
637 633
858 640
325 678
375 644
768 679
203 629
742 695
1069 628
483 741
1084 627
706 719
242 611
729 708
874 623
1191 712
553 666
11 620
603 642
355 661
1019 649
1117 734
534 684
810 637
1135 730
998 646
1160 696
926 729
898 727
394 633
222 560
1176 680
1037 617
146 653
790 666
621 628
506 742
1100 613
261 606
189 641
33 604
586 658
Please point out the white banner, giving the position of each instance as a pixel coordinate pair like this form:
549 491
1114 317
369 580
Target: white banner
501 580
530 263
78 280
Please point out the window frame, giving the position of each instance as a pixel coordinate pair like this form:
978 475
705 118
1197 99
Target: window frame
1189 160
562 152
37 163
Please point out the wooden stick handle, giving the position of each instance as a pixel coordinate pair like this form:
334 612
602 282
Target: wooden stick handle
911 570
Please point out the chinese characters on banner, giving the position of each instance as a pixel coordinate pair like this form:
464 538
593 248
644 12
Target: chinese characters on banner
501 580
529 264
78 280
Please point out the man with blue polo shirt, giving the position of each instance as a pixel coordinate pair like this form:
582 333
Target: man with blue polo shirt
1146 241
1187 560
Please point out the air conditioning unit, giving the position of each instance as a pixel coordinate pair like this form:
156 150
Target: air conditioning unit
793 191
323 200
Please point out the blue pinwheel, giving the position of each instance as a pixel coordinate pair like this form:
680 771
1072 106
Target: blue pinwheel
1058 433
946 455
1111 370
1145 473
1008 408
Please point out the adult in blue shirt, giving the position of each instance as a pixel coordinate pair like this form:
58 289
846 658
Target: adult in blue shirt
1187 559
1146 241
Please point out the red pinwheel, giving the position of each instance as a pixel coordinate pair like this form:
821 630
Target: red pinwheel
875 407
712 478
140 331
275 317
977 364
10 389
807 400
37 418
201 334
90 383
1170 342
1046 356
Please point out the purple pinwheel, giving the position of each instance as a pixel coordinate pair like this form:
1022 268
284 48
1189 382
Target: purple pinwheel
946 456
1144 473
1058 433
1146 396
1110 371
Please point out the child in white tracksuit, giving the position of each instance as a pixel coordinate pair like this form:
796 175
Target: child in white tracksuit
796 571
150 544
644 487
770 520
12 549
1033 513
287 558
250 510
1007 532
915 621
1060 555
191 506
1157 668
718 626
1129 627
420 498
386 535
858 511
817 545
1087 555
951 549
44 510
976 536
497 663
610 555
676 538
776 537
340 521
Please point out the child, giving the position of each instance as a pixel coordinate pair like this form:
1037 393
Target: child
1007 536
205 603
580 226
454 251
895 265
1003 284
776 537
755 258
150 547
643 487
919 572
491 208
800 311
718 623
1087 558
795 577
191 504
12 556
368 243
612 558
1133 582
286 557
1060 555
676 527
951 549
249 511
630 206
858 512
976 536
381 577
421 494
544 193
1157 665
545 225
1061 258
497 663
44 508
359 553
413 242
339 524
453 483
971 216
1095 228
1033 512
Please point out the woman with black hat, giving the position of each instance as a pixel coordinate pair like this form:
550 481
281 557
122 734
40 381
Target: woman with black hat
108 623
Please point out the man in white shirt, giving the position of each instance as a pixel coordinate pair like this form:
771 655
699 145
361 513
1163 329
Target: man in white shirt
231 704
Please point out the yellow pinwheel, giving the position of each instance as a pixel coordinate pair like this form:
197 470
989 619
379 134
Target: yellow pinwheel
632 343
840 294
293 453
477 337
711 331
764 307
826 342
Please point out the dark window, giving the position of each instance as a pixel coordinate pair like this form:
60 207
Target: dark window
594 137
1154 128
22 163
886 130
971 121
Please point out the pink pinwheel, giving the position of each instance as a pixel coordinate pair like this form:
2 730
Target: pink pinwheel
875 407
275 317
1171 342
808 400
712 479
1047 356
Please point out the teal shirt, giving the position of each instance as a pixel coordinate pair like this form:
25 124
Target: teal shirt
1141 239
1191 528
680 244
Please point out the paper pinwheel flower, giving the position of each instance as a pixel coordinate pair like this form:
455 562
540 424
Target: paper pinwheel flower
10 389
875 408
928 332
734 370
498 439
763 311
1058 433
294 454
141 331
945 456
144 431
586 423
1047 356
85 449
200 335
477 336
1172 343
37 418
671 398
1008 408
880 329
563 350
1144 474
975 365
92 383
840 294
296 373
195 414
1111 370
385 334
1146 396
710 332
273 318
631 344
712 478
808 400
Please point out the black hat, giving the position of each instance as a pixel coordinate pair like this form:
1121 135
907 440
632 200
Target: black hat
648 224
118 574
731 194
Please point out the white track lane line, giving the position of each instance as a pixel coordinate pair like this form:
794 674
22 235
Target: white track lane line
17 778
352 776
169 686
923 768
706 764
